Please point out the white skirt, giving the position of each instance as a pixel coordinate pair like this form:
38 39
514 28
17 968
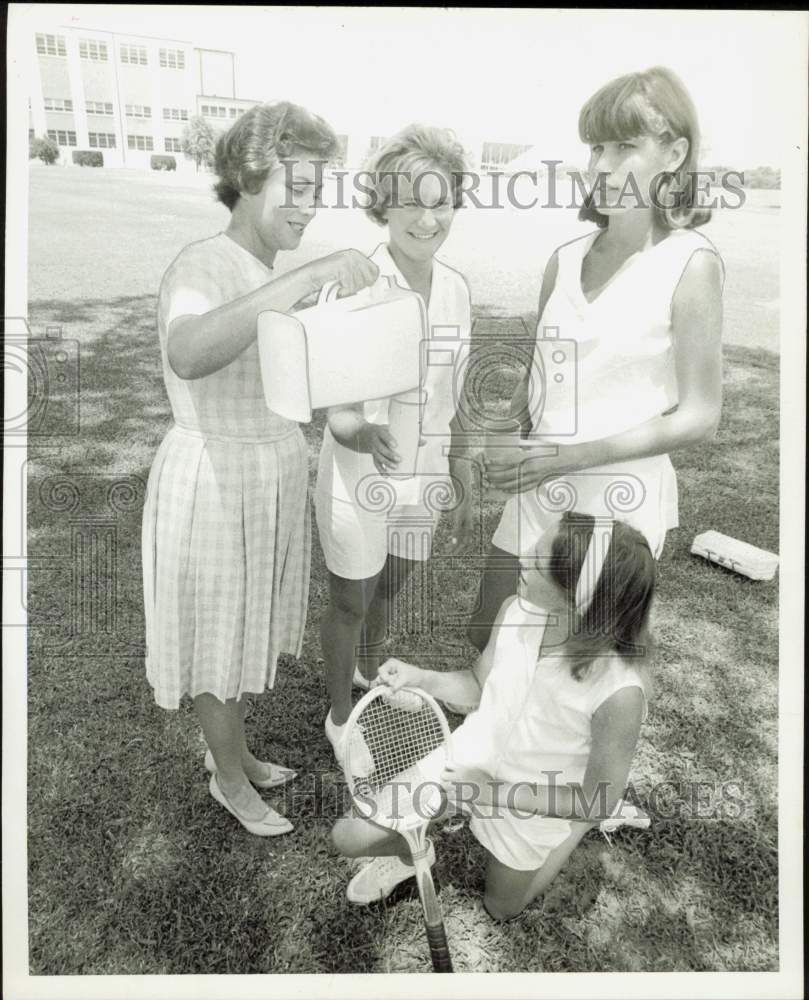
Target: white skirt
642 492
226 549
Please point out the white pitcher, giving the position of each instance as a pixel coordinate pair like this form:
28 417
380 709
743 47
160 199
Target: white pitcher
363 346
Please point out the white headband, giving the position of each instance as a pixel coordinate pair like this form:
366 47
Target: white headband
593 563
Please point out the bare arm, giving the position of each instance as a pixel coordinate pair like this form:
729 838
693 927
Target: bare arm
615 729
349 428
201 345
460 687
520 401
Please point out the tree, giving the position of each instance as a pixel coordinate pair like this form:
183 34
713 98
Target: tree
43 148
199 141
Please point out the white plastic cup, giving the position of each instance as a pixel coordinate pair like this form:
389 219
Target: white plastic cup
504 445
404 413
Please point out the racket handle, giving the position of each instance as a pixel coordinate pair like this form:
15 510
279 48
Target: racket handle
439 952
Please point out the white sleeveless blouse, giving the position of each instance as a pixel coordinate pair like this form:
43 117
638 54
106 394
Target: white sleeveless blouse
602 367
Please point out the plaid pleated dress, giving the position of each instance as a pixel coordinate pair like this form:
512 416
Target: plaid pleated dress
226 525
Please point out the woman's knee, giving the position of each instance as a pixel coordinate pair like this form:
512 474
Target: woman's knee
343 838
502 909
349 600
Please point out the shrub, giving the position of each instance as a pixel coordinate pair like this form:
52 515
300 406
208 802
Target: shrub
160 162
88 157
44 149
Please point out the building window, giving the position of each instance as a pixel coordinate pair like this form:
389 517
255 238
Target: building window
143 142
214 111
175 114
101 140
134 55
138 111
51 45
95 51
62 138
234 112
173 145
58 104
496 155
98 107
30 134
172 58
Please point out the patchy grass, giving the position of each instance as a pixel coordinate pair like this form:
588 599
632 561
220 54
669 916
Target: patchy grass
134 869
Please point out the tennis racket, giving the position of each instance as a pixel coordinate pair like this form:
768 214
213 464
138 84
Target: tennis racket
401 793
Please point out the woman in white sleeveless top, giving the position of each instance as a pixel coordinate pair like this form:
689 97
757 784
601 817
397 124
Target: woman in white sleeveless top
627 366
226 526
375 528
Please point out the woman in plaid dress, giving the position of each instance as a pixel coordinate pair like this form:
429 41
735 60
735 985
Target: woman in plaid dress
226 528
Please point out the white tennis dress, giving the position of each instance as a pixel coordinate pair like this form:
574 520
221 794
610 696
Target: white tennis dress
226 523
533 724
609 367
361 515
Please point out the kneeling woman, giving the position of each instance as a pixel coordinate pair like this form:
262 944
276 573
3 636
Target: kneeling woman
563 681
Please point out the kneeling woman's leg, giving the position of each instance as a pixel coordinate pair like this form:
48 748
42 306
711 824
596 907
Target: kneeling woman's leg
355 837
391 861
509 891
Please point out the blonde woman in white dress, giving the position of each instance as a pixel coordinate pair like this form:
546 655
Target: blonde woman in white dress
226 523
639 301
370 553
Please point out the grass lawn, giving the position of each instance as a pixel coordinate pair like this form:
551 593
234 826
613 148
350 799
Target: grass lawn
134 869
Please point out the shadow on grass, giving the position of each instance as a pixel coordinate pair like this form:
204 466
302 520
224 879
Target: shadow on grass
124 410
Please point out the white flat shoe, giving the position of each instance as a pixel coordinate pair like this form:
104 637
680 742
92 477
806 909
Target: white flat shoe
280 775
359 680
272 824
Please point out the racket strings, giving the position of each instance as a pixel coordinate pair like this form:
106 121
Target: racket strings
397 740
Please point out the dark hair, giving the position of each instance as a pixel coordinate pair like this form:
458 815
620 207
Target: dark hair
416 146
653 103
255 142
617 619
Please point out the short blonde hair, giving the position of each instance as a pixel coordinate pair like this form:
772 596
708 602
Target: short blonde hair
263 135
408 152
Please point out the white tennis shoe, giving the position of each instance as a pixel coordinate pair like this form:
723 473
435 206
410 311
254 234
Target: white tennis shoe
362 763
379 878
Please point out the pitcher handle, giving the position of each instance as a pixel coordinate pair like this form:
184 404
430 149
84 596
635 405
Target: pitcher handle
328 293
383 284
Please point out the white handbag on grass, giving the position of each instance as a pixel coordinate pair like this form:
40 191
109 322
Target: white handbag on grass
363 346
